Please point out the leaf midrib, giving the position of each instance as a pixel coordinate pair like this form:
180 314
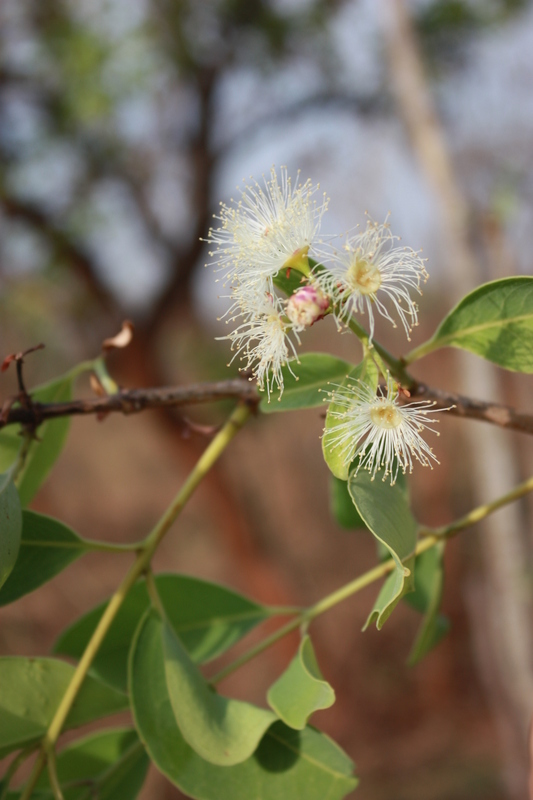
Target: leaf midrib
485 326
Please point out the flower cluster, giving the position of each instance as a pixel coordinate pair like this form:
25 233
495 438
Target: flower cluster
269 229
268 233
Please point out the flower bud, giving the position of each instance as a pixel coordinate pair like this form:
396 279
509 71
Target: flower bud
306 306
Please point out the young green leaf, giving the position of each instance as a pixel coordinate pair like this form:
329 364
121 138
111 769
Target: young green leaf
494 321
47 547
10 527
301 690
287 765
385 511
208 618
426 599
221 730
313 373
30 692
334 457
108 765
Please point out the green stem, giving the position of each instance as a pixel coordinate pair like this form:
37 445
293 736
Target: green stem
153 594
419 352
142 562
431 538
52 774
112 547
479 513
397 366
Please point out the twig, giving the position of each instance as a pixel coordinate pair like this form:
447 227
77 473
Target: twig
132 401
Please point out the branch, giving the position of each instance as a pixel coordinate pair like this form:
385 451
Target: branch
461 406
132 401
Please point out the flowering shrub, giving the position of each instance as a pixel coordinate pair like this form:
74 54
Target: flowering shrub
142 649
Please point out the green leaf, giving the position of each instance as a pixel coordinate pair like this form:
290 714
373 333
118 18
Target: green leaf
30 692
10 527
301 690
46 447
47 547
10 443
108 765
397 585
385 511
313 373
342 507
426 598
494 321
221 730
287 765
208 618
334 455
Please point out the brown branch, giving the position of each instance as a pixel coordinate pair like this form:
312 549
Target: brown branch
132 401
461 406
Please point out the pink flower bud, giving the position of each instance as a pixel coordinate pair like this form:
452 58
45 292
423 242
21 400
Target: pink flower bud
306 306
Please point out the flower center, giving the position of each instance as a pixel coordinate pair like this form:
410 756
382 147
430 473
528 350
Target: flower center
385 415
364 276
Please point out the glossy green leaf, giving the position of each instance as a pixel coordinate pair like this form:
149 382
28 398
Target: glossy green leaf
426 599
301 690
313 373
30 692
208 618
110 765
494 321
385 511
342 507
287 765
47 547
10 527
334 456
221 730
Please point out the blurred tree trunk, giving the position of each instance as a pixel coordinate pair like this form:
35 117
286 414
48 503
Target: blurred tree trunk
499 604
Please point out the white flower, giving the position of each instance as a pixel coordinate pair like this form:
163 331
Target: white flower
378 429
262 339
369 268
271 226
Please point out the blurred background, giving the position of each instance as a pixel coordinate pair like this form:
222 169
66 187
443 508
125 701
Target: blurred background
123 123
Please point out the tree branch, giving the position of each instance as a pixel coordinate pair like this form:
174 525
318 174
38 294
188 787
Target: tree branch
132 401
